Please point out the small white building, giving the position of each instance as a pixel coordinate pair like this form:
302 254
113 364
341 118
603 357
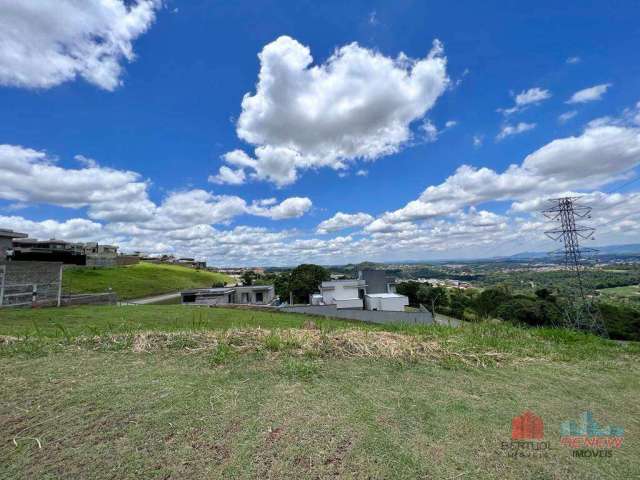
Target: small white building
315 299
386 302
343 293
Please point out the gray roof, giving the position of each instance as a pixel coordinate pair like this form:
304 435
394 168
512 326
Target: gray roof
11 234
214 291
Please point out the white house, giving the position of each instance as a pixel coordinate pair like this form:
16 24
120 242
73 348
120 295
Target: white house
343 293
385 302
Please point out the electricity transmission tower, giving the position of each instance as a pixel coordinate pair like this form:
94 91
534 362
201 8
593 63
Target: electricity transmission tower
580 313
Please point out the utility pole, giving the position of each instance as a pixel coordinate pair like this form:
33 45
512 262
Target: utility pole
581 313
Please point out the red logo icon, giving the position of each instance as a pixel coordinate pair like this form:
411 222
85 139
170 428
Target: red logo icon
527 426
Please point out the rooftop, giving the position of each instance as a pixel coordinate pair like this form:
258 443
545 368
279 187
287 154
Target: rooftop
11 234
218 290
385 295
349 281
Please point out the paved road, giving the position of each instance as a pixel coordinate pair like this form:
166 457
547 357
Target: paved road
151 300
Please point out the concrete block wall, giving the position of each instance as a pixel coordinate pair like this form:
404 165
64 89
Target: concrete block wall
99 261
20 279
127 260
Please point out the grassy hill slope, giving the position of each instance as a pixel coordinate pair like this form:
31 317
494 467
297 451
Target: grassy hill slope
178 392
137 281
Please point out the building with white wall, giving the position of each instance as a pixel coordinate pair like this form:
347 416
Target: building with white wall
385 302
357 294
343 293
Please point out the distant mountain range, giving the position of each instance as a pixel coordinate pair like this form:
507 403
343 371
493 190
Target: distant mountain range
629 249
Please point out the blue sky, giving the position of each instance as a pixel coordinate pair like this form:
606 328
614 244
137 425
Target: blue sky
118 118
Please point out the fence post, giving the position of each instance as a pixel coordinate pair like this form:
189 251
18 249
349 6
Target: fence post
34 295
2 275
60 287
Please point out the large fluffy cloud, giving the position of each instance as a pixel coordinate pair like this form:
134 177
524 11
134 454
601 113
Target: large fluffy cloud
46 42
116 196
602 153
28 175
359 104
75 229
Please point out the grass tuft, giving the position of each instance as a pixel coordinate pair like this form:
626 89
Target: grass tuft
221 354
299 369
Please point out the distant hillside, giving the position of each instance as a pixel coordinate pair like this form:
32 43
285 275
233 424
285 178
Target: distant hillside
137 281
629 249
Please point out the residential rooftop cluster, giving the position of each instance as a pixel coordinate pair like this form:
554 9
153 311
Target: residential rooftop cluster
372 290
19 246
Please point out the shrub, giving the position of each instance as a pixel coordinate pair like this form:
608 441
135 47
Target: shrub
221 354
622 322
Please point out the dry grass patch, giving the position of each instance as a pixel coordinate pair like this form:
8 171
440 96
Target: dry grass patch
296 342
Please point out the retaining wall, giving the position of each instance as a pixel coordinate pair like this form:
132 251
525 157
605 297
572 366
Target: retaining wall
422 318
99 261
127 260
89 299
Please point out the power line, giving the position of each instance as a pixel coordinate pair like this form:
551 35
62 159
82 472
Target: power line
620 187
580 312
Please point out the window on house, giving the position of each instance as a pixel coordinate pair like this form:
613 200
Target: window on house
259 297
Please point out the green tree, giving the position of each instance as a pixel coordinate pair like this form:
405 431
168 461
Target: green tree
301 282
247 277
622 321
545 294
281 285
409 289
488 301
459 301
432 297
521 310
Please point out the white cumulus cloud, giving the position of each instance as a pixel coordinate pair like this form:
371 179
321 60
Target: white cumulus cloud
342 221
44 43
28 175
75 229
601 154
359 104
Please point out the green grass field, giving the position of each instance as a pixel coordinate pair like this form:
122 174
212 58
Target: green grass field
177 392
629 294
137 281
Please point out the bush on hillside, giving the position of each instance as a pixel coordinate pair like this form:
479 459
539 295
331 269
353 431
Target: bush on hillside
622 322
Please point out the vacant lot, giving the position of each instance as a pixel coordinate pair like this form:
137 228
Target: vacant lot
137 281
628 294
169 392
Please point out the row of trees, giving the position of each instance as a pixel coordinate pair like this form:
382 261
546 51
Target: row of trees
543 308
